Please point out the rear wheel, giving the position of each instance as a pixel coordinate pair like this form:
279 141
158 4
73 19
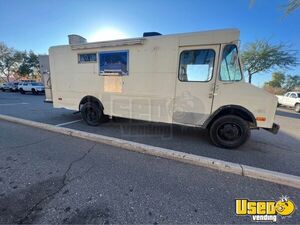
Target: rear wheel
297 107
34 92
91 113
229 131
22 91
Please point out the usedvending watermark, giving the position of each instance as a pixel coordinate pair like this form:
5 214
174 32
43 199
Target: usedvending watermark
265 211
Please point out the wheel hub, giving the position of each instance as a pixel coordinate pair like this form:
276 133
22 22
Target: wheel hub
229 132
91 114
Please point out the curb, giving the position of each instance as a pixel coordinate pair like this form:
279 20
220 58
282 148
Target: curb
220 165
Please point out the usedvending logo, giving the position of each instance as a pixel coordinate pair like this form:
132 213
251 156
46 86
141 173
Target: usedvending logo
265 211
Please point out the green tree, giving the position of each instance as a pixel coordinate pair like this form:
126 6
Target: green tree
292 82
29 66
292 6
277 81
10 60
261 56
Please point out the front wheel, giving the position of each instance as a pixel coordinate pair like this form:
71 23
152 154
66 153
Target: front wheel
91 113
297 107
22 91
229 131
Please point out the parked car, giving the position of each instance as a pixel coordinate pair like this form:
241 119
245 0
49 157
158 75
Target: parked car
290 99
4 87
9 86
13 86
34 87
25 81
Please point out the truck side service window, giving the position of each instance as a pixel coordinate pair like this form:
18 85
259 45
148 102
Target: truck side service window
113 63
196 65
230 66
89 57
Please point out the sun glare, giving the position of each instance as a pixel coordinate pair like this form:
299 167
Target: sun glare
106 34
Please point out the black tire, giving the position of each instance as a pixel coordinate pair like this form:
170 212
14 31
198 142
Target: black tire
92 114
297 107
34 92
22 91
229 131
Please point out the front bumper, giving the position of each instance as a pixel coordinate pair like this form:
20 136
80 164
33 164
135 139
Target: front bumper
275 128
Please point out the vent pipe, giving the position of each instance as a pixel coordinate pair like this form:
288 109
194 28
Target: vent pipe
75 39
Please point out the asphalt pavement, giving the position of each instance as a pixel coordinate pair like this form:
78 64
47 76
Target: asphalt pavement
279 152
48 178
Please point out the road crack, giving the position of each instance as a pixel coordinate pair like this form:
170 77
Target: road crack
65 182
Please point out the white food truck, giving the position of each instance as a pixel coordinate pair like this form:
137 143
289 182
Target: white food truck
192 79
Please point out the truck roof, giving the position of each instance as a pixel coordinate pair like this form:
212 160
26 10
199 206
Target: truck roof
207 37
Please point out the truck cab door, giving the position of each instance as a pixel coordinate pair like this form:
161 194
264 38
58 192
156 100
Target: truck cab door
195 84
230 88
25 86
285 99
292 99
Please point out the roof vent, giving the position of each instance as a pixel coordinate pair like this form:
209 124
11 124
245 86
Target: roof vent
150 34
75 39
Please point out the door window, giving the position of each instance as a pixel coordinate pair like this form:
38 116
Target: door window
230 66
196 65
293 95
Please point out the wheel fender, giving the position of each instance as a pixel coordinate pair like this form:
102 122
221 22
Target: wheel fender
233 110
90 98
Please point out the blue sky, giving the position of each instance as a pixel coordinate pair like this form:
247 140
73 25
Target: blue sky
37 24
